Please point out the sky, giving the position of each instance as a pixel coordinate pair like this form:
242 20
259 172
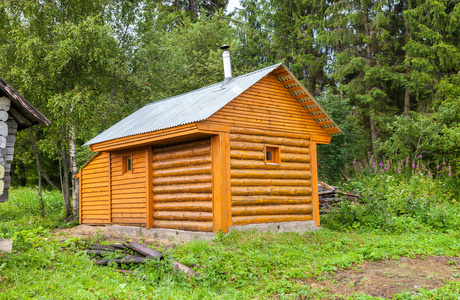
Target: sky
232 4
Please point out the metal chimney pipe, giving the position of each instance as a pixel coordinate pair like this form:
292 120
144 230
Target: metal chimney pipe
227 62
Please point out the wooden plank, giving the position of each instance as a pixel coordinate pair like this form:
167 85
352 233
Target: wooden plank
183 206
221 180
314 182
182 162
183 153
261 165
258 210
149 187
182 197
269 140
130 215
270 190
80 197
177 147
144 250
109 173
269 182
126 221
281 174
269 200
182 179
203 187
184 225
182 215
245 220
183 171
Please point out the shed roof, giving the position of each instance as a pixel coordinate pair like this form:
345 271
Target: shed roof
200 104
22 106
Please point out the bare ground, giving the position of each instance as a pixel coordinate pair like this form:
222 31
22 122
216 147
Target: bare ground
388 277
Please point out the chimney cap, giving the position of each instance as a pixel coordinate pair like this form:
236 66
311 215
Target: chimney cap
225 47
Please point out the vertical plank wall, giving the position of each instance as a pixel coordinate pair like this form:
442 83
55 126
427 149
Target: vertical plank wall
129 190
94 200
263 192
182 185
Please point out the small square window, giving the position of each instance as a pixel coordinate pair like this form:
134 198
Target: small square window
127 164
272 155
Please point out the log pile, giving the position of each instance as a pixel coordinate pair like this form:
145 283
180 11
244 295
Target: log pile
330 196
142 253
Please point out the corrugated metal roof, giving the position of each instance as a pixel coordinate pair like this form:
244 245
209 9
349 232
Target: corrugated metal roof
183 109
200 104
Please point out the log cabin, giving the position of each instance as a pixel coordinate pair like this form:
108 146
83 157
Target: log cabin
16 113
235 153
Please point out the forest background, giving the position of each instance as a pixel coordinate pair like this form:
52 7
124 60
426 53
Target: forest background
386 71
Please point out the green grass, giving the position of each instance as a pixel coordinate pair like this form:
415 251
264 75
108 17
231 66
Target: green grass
250 265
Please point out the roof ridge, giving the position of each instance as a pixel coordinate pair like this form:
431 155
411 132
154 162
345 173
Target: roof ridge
213 85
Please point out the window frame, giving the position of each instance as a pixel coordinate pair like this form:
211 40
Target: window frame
125 164
276 154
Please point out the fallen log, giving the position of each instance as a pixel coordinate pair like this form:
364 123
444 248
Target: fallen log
144 250
98 252
130 259
187 271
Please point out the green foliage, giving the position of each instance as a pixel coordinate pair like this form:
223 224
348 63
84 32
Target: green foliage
405 196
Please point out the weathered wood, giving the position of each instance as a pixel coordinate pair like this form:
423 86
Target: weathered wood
269 200
182 215
264 174
187 271
245 220
181 197
144 250
98 252
269 182
271 210
183 206
18 117
182 162
5 103
184 225
189 170
182 179
282 191
204 187
130 259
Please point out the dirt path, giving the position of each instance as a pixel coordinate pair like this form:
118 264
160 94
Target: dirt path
388 277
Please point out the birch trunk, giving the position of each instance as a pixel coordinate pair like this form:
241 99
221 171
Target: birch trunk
39 170
65 182
74 170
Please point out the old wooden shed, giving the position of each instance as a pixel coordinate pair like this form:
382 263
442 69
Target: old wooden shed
15 114
234 153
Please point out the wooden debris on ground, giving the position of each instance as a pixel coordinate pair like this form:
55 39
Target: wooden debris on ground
331 195
143 253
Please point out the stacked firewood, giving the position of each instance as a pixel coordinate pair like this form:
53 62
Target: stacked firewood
331 195
142 253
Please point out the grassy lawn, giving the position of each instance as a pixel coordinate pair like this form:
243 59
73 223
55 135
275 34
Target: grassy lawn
250 265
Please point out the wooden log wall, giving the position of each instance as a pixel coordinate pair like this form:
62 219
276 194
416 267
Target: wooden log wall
268 105
264 193
128 190
94 198
182 186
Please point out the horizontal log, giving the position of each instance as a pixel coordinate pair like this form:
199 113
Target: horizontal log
128 210
183 206
190 152
181 179
182 162
245 220
144 250
259 132
273 174
94 190
189 170
184 225
181 146
274 191
254 155
181 197
129 215
128 205
292 157
127 221
182 215
131 186
258 210
269 182
234 145
269 200
260 164
204 187
269 140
